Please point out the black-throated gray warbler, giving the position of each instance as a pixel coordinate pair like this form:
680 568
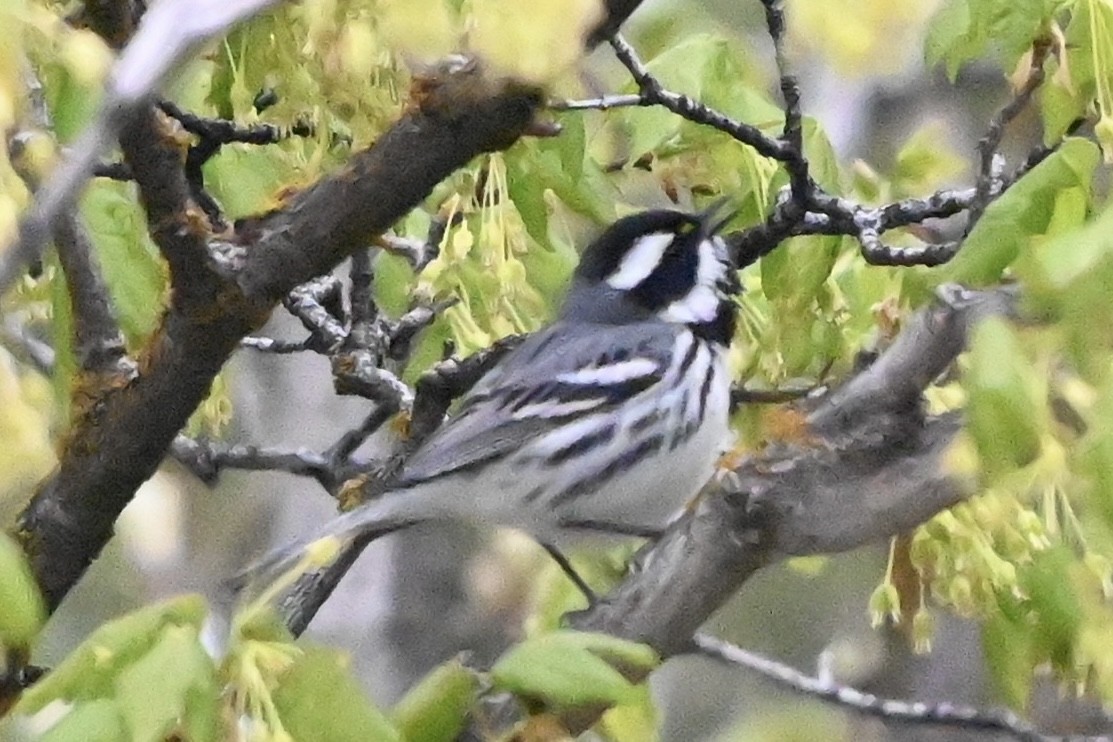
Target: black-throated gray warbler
610 418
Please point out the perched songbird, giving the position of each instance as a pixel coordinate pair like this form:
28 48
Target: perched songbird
609 419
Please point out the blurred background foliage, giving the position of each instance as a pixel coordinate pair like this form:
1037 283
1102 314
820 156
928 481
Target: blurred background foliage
897 96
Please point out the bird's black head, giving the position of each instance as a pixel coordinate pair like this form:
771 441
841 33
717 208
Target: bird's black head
666 264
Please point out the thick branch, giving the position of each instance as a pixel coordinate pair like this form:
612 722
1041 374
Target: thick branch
458 114
127 430
98 342
177 224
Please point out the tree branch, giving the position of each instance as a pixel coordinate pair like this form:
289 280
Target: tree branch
653 93
206 459
447 126
221 297
887 709
989 181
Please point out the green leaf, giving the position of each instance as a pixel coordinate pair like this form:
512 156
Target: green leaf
1005 414
1007 646
634 721
964 30
72 103
131 265
925 161
61 337
793 277
797 269
949 40
822 160
318 701
94 721
572 145
1054 605
1096 454
707 68
245 180
153 701
1061 106
1026 210
90 671
569 668
1067 279
437 707
528 194
21 605
1070 90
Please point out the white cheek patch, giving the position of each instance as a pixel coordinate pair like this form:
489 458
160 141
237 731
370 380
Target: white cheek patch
698 305
639 261
712 261
702 303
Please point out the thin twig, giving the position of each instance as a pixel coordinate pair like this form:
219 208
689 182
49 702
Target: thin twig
318 304
347 444
21 341
403 331
206 459
793 134
602 103
887 709
362 302
444 382
416 252
654 93
113 171
223 131
741 395
989 183
273 345
98 341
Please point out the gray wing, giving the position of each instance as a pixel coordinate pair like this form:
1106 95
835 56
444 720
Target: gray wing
536 389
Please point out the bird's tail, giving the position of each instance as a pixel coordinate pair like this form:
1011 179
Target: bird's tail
272 575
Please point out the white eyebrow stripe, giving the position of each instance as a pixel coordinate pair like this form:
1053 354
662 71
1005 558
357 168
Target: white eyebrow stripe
614 373
640 260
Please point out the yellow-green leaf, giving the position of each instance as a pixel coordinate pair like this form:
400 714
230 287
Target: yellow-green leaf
21 606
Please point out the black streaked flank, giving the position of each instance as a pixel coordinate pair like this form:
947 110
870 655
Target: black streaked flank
629 458
704 391
689 357
682 435
600 437
647 421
